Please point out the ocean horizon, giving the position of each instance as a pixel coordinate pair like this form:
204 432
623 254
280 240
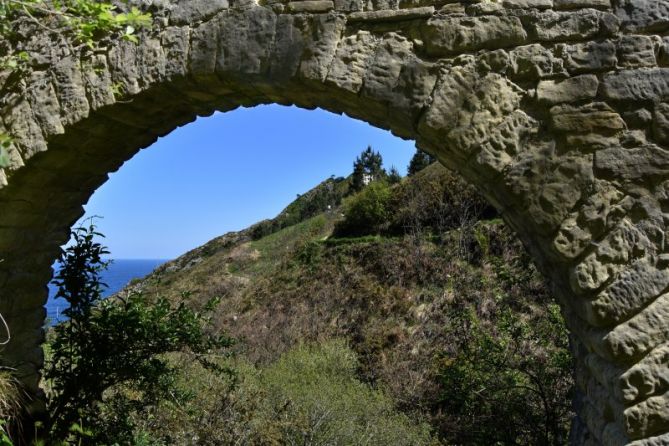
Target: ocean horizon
116 276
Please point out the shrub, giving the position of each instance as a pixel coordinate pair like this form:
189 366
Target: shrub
107 361
365 212
508 382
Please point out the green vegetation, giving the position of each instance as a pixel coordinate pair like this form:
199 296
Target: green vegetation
310 395
440 303
409 315
419 161
365 212
367 168
106 362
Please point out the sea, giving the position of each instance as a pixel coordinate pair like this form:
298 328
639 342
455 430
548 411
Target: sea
116 276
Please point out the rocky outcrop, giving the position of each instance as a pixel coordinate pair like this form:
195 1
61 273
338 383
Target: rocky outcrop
558 110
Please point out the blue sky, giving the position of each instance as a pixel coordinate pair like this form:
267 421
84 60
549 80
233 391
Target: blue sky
227 171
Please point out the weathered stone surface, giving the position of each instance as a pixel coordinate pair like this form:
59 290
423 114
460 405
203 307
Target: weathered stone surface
631 290
554 26
535 62
589 57
643 15
348 5
313 6
578 4
594 117
648 417
245 41
528 4
632 164
636 51
321 40
569 90
660 440
650 376
353 56
448 35
189 12
661 123
634 338
391 15
636 85
663 52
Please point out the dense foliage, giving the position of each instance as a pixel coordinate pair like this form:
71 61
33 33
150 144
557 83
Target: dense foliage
108 353
441 345
367 211
435 203
436 300
311 395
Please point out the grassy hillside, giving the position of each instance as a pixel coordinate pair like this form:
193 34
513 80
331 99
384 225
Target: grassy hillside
436 298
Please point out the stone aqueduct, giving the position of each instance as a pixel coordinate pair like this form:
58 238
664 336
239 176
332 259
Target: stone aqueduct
557 110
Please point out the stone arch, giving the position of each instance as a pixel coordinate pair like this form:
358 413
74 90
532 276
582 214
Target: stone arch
557 110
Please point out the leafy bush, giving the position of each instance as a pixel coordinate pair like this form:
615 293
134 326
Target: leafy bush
365 212
106 361
506 383
314 397
311 395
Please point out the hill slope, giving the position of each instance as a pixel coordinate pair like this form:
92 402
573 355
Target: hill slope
440 302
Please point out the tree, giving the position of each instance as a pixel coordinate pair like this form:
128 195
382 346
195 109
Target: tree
394 176
112 351
419 161
367 168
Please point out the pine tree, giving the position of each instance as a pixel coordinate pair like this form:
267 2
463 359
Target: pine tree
367 168
394 176
419 162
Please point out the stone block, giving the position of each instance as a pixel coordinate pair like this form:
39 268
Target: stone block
528 4
645 84
568 90
595 117
551 26
636 51
589 57
190 12
535 61
352 58
391 15
311 6
632 164
643 16
661 123
449 35
246 41
579 4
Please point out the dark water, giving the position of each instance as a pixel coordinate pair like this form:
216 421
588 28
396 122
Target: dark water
119 273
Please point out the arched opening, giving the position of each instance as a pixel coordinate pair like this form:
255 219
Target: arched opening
411 280
577 168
